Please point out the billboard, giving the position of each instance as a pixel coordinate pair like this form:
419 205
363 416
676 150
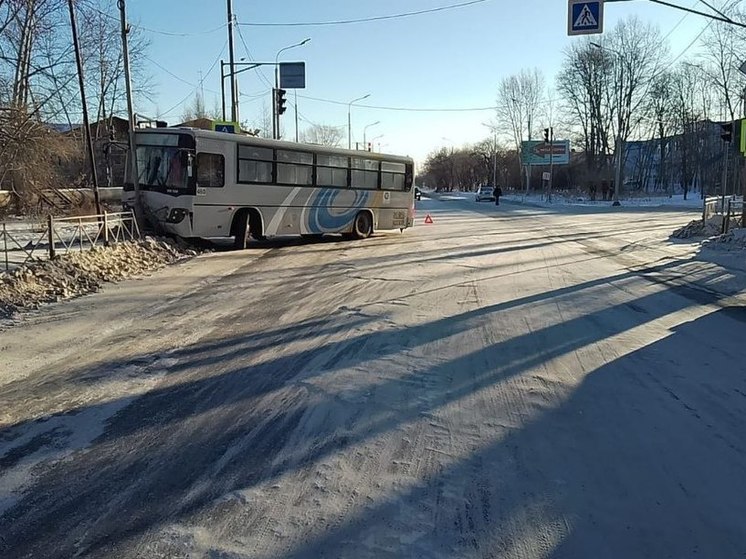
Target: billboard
537 152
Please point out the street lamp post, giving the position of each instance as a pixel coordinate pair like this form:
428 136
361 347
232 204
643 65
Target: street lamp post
619 149
373 142
349 118
365 130
275 108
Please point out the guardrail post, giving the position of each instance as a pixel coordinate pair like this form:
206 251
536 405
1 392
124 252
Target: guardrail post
50 234
135 226
106 229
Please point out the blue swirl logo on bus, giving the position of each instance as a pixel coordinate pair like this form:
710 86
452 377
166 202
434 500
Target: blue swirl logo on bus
324 217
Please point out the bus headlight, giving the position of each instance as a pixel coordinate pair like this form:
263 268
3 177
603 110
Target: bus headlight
176 215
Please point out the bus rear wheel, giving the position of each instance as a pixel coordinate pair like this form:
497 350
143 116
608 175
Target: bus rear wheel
243 232
363 226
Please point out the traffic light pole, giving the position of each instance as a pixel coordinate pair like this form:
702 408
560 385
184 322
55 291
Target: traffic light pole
618 170
551 163
725 175
275 108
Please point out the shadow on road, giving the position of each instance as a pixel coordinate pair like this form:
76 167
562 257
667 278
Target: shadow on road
224 411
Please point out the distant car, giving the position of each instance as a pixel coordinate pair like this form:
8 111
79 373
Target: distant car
485 193
417 193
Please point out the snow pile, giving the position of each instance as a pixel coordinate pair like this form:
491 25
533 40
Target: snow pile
78 273
696 228
735 238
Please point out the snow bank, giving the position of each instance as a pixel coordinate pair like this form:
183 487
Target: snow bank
696 228
735 239
78 273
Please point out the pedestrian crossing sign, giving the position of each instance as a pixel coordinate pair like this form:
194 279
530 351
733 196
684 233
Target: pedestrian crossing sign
585 17
223 126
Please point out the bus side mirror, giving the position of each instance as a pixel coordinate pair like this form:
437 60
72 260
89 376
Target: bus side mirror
190 166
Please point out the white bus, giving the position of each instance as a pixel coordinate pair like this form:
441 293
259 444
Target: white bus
198 184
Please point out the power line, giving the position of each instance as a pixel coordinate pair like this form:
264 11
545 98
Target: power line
690 45
364 19
251 58
403 109
255 95
182 80
209 71
158 31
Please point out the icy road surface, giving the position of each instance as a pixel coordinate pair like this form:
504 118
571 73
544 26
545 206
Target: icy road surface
507 382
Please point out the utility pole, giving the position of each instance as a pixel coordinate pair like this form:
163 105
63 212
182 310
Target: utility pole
139 215
86 123
232 62
222 87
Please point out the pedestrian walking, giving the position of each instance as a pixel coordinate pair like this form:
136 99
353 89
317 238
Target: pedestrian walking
498 193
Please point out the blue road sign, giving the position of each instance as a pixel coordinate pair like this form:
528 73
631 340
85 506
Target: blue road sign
221 126
292 75
585 17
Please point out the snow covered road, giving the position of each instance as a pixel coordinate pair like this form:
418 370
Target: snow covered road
508 382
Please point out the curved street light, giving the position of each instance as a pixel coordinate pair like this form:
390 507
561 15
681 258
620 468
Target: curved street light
373 142
365 130
349 118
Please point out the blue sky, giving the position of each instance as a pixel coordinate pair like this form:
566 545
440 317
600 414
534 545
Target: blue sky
449 59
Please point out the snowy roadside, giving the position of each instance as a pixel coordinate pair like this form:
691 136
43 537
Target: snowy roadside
79 273
560 199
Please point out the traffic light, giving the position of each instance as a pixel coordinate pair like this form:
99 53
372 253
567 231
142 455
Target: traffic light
281 108
727 132
370 146
547 133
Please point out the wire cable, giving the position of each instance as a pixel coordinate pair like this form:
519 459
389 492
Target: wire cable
365 19
209 71
402 109
158 31
251 58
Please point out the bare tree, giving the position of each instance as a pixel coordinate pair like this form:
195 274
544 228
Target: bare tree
519 100
38 85
582 83
324 134
606 90
196 109
722 55
262 124
103 60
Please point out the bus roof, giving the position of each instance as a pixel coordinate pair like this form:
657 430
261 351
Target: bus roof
279 144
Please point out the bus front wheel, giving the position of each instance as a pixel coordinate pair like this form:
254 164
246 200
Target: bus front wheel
243 232
363 226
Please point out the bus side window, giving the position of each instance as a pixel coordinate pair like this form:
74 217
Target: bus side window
210 170
393 176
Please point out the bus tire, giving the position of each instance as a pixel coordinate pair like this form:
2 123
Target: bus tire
243 231
363 226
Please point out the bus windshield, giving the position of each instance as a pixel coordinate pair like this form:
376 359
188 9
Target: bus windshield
162 166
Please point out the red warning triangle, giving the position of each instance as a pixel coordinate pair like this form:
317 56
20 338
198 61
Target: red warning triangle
428 219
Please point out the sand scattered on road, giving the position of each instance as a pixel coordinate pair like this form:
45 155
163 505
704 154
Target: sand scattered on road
79 273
